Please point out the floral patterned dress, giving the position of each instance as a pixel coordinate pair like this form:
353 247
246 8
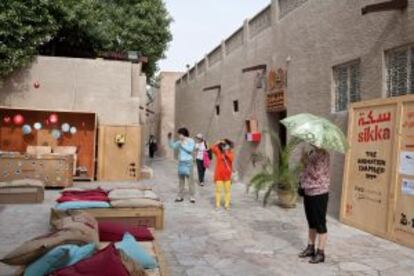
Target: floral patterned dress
315 179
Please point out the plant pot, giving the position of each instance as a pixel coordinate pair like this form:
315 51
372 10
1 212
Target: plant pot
287 199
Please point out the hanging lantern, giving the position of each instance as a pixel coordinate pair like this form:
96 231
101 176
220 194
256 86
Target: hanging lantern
18 119
65 127
73 130
37 125
7 120
56 134
83 124
47 122
27 129
53 118
36 84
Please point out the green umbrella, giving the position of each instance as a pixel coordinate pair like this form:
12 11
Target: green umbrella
317 131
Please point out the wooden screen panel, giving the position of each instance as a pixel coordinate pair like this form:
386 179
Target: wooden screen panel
403 217
369 167
119 162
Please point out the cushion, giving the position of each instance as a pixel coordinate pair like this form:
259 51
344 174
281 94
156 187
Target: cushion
125 194
106 262
64 149
113 232
138 202
38 149
136 252
34 248
151 195
82 205
80 217
58 257
133 267
66 198
83 222
23 183
86 195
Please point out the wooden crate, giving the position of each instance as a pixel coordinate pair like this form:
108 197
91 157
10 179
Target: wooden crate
139 216
378 183
54 170
119 162
21 195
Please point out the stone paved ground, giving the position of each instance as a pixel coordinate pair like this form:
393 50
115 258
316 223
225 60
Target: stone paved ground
248 240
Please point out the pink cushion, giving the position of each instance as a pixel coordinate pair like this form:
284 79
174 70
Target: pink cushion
106 262
87 195
113 232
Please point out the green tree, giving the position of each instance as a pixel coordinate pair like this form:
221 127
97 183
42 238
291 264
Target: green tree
90 27
24 26
81 28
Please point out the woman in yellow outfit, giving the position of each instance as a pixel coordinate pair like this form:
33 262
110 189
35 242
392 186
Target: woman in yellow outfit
223 150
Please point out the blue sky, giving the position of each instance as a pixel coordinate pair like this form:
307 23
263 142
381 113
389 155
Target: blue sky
200 25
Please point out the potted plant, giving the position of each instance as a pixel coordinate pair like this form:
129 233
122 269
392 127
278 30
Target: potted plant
279 176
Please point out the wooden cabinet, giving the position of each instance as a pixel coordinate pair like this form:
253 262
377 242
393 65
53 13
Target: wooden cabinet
55 170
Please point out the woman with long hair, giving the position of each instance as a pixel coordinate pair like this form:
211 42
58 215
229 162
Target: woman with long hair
223 150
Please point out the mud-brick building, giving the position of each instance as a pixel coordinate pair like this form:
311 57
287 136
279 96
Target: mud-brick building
111 90
299 56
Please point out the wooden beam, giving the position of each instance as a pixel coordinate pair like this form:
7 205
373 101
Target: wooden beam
386 6
214 87
262 67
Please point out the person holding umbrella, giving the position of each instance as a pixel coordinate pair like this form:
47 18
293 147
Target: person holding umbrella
323 136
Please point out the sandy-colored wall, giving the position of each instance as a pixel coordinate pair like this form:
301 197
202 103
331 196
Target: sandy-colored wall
109 88
166 93
315 36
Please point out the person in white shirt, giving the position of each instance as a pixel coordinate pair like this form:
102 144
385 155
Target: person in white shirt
200 149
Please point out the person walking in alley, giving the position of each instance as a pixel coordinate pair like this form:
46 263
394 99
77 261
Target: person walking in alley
223 150
314 183
202 157
185 146
152 145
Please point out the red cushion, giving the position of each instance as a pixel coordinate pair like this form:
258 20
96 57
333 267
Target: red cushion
106 262
88 195
113 232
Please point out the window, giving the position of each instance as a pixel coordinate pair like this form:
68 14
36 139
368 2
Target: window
347 85
236 106
217 110
400 71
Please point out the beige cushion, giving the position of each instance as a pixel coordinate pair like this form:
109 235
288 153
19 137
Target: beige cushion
140 202
65 149
38 149
22 183
83 222
31 250
125 194
151 195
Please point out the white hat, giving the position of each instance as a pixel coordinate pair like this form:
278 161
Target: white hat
199 136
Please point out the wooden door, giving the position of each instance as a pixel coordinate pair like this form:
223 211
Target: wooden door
116 161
